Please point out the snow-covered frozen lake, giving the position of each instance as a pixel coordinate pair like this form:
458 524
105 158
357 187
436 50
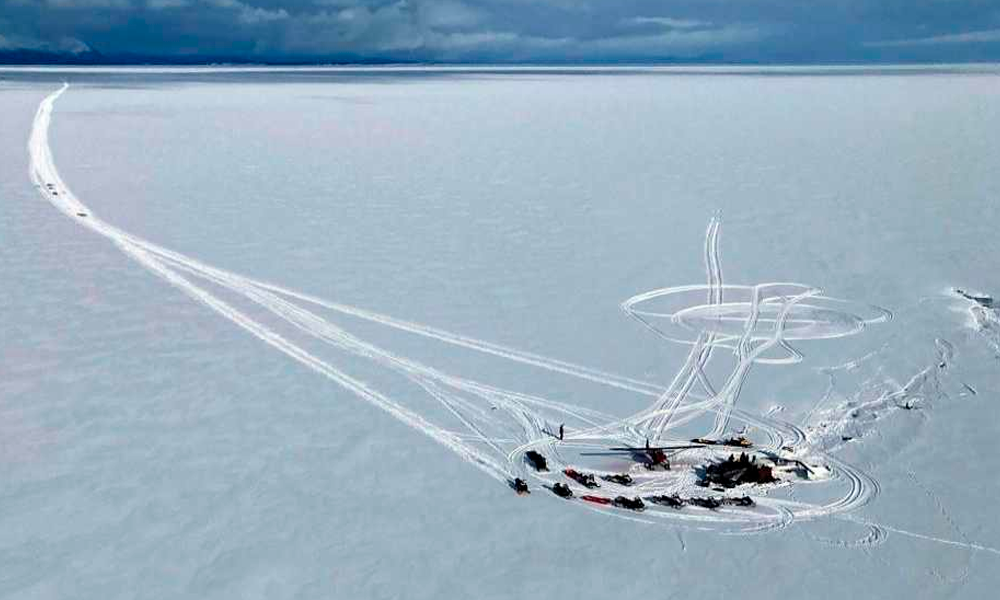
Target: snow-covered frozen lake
285 334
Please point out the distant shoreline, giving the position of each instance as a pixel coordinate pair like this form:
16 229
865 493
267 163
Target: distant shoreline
495 66
582 69
35 59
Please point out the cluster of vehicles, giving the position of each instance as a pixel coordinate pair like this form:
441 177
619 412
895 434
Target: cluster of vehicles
635 504
51 187
724 474
709 502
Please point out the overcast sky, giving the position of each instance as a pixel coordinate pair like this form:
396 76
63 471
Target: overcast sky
512 30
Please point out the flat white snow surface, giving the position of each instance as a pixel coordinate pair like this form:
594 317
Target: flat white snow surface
290 334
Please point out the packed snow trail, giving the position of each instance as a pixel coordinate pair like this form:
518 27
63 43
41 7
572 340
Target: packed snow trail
46 177
170 265
501 425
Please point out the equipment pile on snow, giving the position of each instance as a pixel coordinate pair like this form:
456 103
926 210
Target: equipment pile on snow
736 471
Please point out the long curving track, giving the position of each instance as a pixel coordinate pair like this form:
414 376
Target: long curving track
496 426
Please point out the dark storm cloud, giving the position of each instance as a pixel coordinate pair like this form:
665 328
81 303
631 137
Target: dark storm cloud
510 30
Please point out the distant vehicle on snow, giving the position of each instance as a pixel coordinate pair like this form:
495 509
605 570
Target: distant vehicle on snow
619 478
536 460
708 502
562 490
586 480
635 504
738 442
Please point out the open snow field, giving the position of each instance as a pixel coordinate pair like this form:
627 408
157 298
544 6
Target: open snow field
290 334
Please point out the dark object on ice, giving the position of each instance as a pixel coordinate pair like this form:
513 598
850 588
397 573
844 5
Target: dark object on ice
562 432
596 499
630 503
737 442
536 460
586 480
971 389
562 490
709 502
674 501
846 438
981 299
744 501
620 479
55 193
81 214
520 486
737 471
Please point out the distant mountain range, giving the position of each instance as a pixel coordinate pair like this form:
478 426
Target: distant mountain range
37 56
93 57
47 57
25 56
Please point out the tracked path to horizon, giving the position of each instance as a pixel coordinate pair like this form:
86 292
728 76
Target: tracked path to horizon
499 425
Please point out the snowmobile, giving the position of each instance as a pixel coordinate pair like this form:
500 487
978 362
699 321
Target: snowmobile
737 442
596 499
630 503
674 501
709 502
536 460
562 490
619 478
744 501
520 486
586 480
